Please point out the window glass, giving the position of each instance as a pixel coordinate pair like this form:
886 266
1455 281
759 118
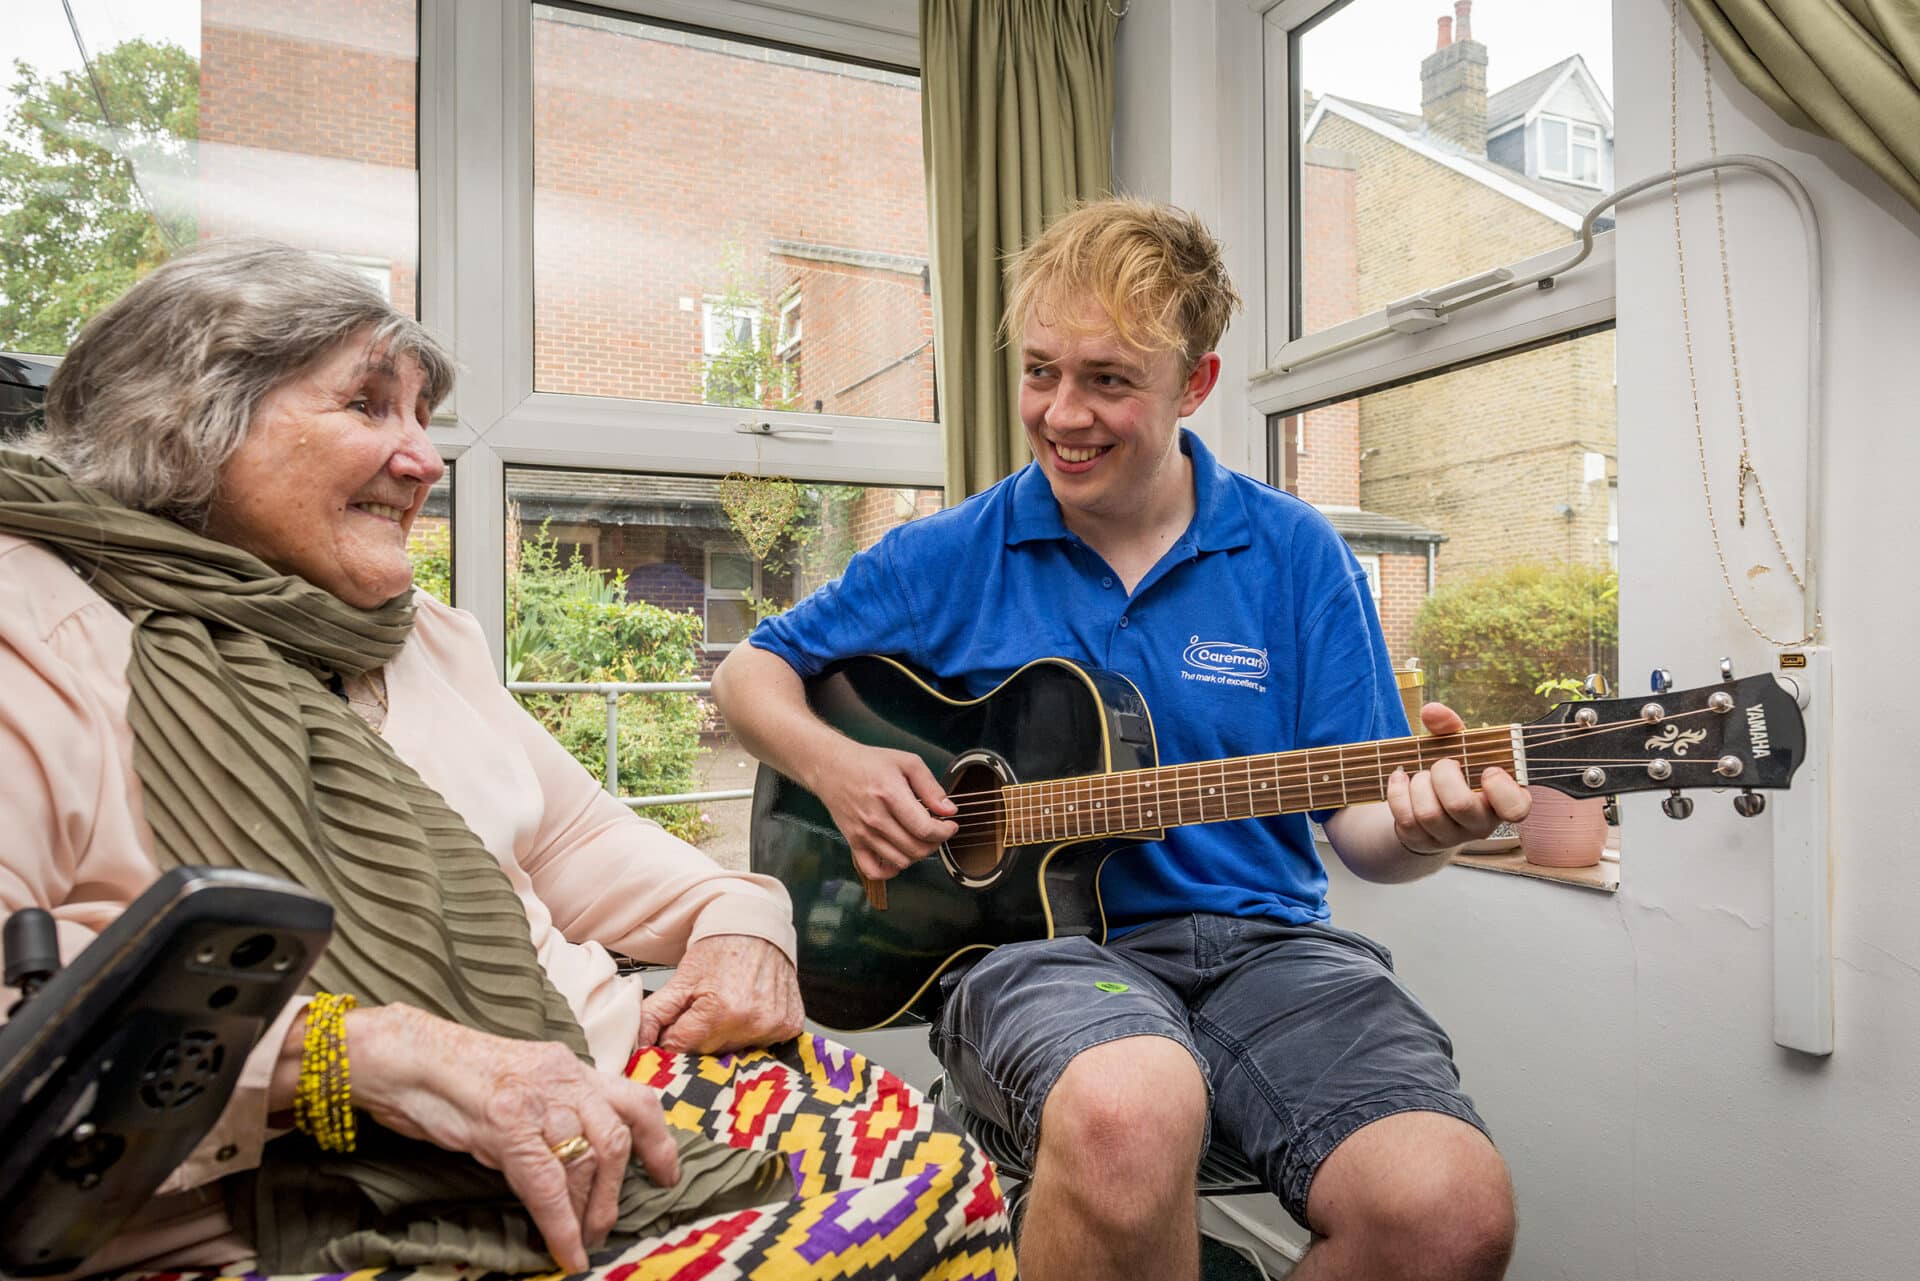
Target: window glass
430 541
694 194
1553 146
191 119
1483 504
1427 157
686 566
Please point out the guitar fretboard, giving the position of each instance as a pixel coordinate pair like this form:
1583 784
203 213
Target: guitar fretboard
1240 787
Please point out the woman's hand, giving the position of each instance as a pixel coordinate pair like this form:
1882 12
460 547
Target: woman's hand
508 1104
729 991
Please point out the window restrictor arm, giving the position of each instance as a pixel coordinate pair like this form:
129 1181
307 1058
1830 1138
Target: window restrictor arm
775 429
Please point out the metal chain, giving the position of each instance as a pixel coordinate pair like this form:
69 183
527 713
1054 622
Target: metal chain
1747 471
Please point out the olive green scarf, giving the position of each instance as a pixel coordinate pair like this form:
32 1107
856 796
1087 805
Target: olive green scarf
246 760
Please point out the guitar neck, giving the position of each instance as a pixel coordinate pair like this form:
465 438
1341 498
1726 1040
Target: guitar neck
1241 787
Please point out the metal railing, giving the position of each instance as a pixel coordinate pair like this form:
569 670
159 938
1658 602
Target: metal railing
613 691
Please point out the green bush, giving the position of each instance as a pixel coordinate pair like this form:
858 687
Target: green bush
431 549
567 621
1488 643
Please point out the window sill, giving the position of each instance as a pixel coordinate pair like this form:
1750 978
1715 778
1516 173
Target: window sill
1603 876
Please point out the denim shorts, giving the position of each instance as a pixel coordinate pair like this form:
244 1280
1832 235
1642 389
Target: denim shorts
1302 1032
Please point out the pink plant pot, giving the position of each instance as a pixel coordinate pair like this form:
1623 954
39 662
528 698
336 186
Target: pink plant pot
1563 831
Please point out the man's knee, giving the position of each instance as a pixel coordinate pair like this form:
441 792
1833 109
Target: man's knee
1124 1123
1421 1194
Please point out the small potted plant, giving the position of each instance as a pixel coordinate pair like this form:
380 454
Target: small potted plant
1562 830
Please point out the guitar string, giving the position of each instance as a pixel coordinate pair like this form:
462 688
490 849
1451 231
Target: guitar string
1197 785
1402 751
1032 824
1494 747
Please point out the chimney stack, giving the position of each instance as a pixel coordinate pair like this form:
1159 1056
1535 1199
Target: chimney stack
1453 84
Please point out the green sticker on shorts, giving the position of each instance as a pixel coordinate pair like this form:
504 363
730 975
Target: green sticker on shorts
1111 987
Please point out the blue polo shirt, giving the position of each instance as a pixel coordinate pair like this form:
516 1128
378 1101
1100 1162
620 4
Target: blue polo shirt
973 593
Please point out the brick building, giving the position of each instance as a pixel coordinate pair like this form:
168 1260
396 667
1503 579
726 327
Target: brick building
791 275
1482 467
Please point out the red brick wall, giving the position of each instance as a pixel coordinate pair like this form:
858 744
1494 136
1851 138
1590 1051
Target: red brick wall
1403 589
659 166
341 112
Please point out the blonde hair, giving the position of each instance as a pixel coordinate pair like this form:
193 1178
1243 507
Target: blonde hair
1156 272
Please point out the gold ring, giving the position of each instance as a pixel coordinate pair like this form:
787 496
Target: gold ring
572 1150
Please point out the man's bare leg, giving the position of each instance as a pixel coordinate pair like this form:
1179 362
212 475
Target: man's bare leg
1112 1191
1415 1194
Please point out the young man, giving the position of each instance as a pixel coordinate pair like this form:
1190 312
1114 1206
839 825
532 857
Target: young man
1224 1005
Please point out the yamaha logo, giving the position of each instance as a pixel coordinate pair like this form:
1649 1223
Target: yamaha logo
1757 731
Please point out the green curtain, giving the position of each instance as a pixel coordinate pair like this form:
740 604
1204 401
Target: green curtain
1849 69
1017 120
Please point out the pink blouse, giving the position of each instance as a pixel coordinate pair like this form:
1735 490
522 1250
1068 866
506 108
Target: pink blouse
592 875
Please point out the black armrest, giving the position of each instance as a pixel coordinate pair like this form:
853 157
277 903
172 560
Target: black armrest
115 1067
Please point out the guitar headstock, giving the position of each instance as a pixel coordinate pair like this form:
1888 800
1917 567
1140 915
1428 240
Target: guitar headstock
1745 734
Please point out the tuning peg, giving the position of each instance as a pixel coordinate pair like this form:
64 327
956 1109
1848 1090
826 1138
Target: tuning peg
1676 805
1749 804
1611 810
1595 686
1662 680
1726 669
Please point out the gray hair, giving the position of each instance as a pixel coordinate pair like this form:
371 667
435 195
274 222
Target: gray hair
159 389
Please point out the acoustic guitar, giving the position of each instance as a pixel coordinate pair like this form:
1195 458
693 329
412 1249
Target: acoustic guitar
1055 771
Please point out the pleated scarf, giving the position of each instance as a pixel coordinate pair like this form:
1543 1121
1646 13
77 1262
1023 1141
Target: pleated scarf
246 759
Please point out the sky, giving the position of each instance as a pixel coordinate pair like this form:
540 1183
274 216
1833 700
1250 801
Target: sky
1371 49
37 31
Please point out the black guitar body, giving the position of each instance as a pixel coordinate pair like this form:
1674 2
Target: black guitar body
861 967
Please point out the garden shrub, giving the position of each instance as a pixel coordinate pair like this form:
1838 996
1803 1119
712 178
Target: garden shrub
1489 642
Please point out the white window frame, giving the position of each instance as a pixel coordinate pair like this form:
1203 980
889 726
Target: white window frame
788 336
713 339
1395 342
1591 142
1370 562
476 272
710 593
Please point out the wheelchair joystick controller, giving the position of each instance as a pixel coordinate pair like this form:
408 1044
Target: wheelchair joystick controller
32 947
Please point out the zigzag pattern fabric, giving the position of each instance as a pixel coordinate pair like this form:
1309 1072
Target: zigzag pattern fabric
885 1186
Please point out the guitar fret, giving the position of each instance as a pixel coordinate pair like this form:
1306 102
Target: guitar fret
1265 789
1234 788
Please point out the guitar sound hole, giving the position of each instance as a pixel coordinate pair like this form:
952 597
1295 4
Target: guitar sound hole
976 849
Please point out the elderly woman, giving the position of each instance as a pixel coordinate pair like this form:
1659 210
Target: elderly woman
210 654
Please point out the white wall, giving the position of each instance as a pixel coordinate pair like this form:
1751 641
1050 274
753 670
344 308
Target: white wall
1621 1045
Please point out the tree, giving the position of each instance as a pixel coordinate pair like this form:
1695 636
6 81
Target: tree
75 230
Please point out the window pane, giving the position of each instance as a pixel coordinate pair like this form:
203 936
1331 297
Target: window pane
729 572
648 610
430 541
1506 473
1553 149
689 187
728 622
224 117
1423 160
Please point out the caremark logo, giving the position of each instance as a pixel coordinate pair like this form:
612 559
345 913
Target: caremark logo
1226 658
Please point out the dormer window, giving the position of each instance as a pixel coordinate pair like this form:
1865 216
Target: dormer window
1570 151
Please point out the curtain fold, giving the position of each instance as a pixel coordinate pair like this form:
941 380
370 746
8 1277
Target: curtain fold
1849 69
1017 123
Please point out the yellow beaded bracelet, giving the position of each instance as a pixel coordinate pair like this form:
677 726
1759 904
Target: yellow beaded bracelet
323 1103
